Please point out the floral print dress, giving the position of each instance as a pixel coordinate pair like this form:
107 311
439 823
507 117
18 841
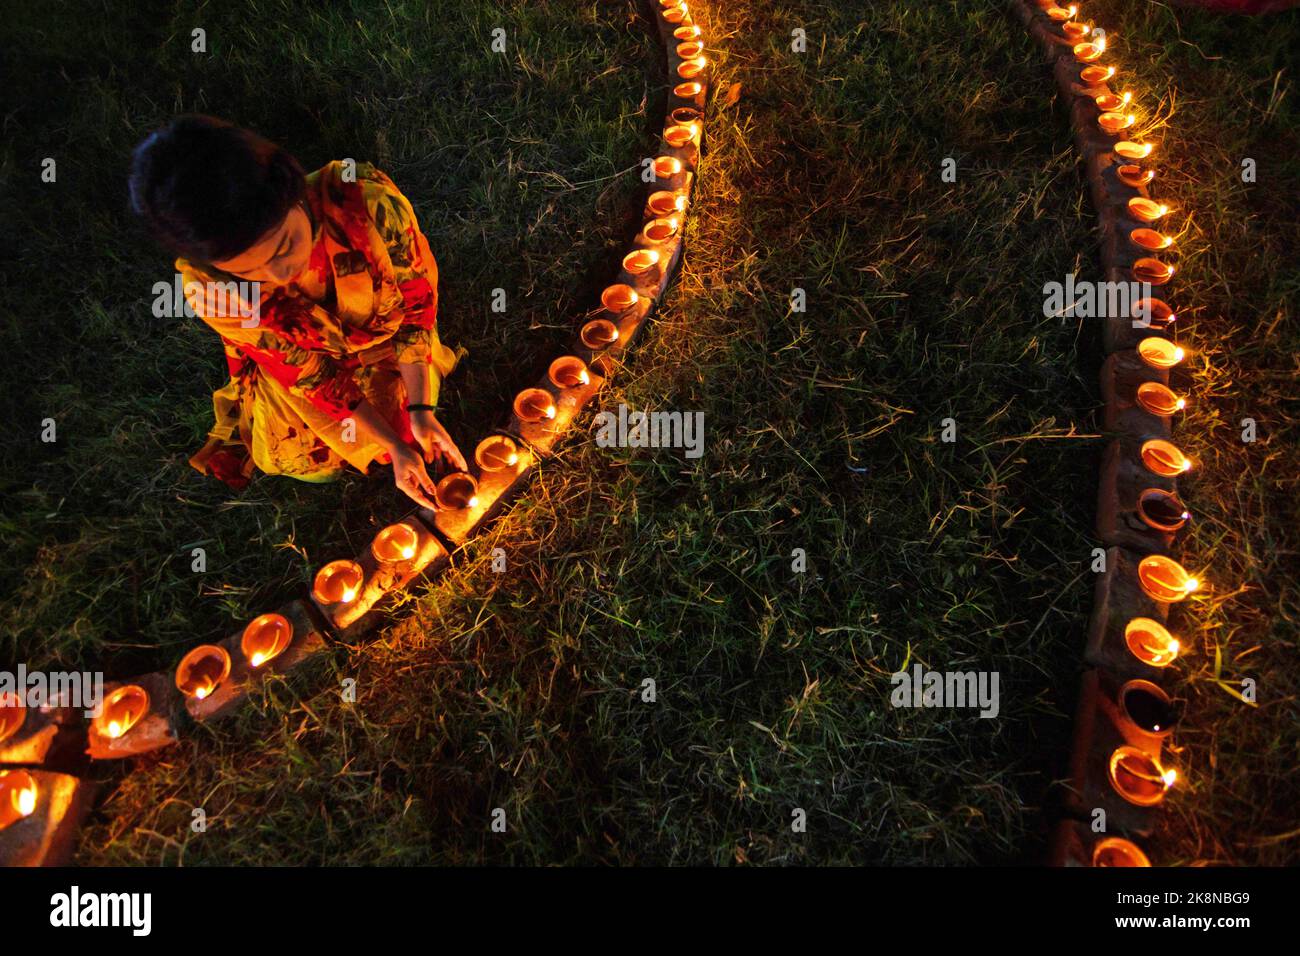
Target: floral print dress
304 356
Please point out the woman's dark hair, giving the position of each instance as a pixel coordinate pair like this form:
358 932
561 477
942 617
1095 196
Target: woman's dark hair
209 190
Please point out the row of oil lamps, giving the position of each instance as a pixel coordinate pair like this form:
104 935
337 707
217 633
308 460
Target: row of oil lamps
204 669
1136 775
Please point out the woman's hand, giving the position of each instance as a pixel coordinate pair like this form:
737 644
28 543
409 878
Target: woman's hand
434 440
410 476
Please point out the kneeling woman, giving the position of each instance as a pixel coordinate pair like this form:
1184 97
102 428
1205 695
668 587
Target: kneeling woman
324 293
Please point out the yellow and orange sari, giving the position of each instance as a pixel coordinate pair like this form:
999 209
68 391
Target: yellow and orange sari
303 356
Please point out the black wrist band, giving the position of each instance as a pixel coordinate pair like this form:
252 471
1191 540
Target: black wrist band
416 407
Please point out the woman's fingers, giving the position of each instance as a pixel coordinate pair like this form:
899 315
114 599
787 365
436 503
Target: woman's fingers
452 453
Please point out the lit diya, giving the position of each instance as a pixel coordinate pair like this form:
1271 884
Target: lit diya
1165 579
497 453
1146 210
666 167
690 49
1116 122
534 405
202 670
568 371
395 544
1164 458
1160 353
1152 271
619 298
339 582
1112 102
122 710
689 90
1150 642
265 638
1089 52
1073 30
679 136
1096 75
1133 175
1150 239
18 795
639 261
685 114
1162 510
1061 14
457 491
1116 851
1154 312
688 32
676 14
12 714
599 334
1159 399
665 202
692 68
1138 777
660 230
1127 149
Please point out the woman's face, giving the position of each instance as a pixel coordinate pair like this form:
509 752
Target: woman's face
279 256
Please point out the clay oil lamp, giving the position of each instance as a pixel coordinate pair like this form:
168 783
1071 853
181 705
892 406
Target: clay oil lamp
1164 458
1059 14
1154 312
1150 642
1160 353
1138 777
1127 149
1096 75
690 49
497 453
1130 174
666 167
676 14
1146 210
18 794
1148 708
689 32
534 405
1164 579
599 334
1150 239
1159 399
619 298
666 203
692 68
1114 123
641 262
569 371
395 544
1152 271
122 710
266 638
1112 102
683 135
1089 52
1162 510
659 231
457 491
202 670
339 582
12 714
689 90
1116 851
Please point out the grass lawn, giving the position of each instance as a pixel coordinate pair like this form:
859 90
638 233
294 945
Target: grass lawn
522 690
